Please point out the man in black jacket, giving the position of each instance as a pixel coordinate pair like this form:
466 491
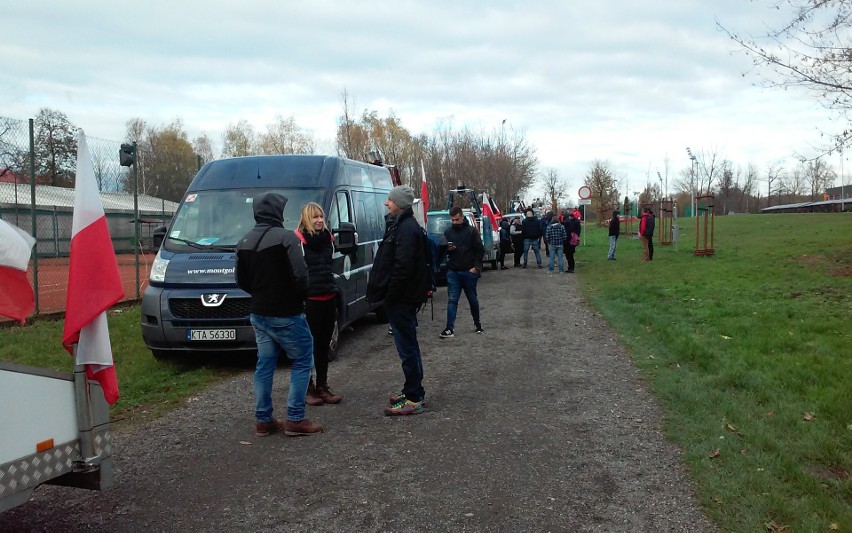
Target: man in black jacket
532 237
614 232
465 252
399 281
271 268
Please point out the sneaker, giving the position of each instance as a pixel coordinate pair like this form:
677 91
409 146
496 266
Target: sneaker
404 407
396 398
312 397
539 266
264 429
523 266
327 396
390 330
446 334
300 428
479 329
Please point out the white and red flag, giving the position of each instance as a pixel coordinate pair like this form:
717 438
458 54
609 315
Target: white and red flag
94 283
424 190
488 210
17 299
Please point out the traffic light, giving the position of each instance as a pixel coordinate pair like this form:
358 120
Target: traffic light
127 155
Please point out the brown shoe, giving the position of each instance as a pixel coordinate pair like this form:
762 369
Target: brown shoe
264 429
312 397
302 427
328 396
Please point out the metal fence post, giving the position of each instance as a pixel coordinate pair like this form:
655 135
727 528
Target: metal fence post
33 211
136 235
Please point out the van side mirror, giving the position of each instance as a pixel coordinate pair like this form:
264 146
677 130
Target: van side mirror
158 236
346 240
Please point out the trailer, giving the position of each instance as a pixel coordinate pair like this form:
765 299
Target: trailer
55 430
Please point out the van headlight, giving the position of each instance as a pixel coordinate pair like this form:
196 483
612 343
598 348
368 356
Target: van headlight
158 269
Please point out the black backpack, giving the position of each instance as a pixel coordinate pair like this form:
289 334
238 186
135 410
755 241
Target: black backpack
427 277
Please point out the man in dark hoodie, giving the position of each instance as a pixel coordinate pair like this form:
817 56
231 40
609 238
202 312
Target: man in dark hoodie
614 232
400 280
464 264
532 236
271 268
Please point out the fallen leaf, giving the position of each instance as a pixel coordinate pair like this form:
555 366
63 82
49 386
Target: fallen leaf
770 413
245 442
715 453
807 417
731 428
726 337
651 357
775 528
834 526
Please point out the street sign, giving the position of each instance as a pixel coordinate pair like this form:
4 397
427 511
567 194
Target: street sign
585 201
584 192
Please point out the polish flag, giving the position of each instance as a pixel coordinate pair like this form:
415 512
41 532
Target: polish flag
17 299
94 283
488 211
424 190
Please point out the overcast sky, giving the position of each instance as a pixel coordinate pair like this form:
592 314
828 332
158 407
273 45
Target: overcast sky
631 82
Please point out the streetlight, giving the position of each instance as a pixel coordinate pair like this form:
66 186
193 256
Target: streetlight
692 182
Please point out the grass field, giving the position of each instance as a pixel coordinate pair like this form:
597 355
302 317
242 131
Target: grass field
749 351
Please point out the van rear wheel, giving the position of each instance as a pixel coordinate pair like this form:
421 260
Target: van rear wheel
334 341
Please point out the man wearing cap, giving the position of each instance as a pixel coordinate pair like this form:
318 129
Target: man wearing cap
271 267
398 281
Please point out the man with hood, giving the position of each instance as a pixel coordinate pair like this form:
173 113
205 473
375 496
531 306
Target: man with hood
400 281
646 234
464 265
614 232
271 268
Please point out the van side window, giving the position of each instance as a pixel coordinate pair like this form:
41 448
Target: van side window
340 210
370 224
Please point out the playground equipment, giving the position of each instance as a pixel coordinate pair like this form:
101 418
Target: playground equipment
704 224
665 222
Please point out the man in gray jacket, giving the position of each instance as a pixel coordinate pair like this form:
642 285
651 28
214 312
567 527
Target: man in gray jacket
271 268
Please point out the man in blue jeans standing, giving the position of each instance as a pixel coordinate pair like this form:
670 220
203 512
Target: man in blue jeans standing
271 267
400 281
532 236
464 265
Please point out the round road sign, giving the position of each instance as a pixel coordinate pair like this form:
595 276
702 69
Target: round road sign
584 192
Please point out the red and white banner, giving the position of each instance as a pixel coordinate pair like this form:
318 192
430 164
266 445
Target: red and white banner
94 282
488 210
17 299
424 190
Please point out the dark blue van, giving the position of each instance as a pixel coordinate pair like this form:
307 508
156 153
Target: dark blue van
192 304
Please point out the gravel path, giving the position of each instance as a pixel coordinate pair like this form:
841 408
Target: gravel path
540 424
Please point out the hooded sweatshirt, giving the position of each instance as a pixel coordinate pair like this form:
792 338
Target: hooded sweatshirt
270 263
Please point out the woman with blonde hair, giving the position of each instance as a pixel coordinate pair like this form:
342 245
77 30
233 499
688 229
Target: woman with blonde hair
320 308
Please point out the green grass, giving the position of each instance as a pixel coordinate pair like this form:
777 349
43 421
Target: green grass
743 347
148 387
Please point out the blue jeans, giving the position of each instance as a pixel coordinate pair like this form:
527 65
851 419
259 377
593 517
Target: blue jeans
403 323
613 240
535 247
556 249
292 335
458 281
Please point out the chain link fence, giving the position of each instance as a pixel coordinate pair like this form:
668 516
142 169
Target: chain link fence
43 207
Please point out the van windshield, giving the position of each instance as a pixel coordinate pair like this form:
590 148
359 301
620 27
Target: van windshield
220 218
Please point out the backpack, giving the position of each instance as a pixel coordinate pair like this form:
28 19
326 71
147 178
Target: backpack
575 239
427 278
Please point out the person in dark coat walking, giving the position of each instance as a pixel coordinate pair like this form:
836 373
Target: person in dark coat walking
614 232
400 281
532 236
505 244
646 233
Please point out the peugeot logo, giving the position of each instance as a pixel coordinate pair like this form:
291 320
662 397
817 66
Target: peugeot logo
212 300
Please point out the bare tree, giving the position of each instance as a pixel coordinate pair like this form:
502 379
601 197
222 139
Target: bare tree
203 147
239 140
811 51
554 187
774 176
284 136
819 176
599 179
55 148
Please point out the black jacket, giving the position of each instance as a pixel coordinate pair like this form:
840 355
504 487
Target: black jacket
532 228
400 269
614 225
469 250
319 248
270 263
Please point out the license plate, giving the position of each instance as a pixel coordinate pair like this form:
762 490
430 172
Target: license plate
211 334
